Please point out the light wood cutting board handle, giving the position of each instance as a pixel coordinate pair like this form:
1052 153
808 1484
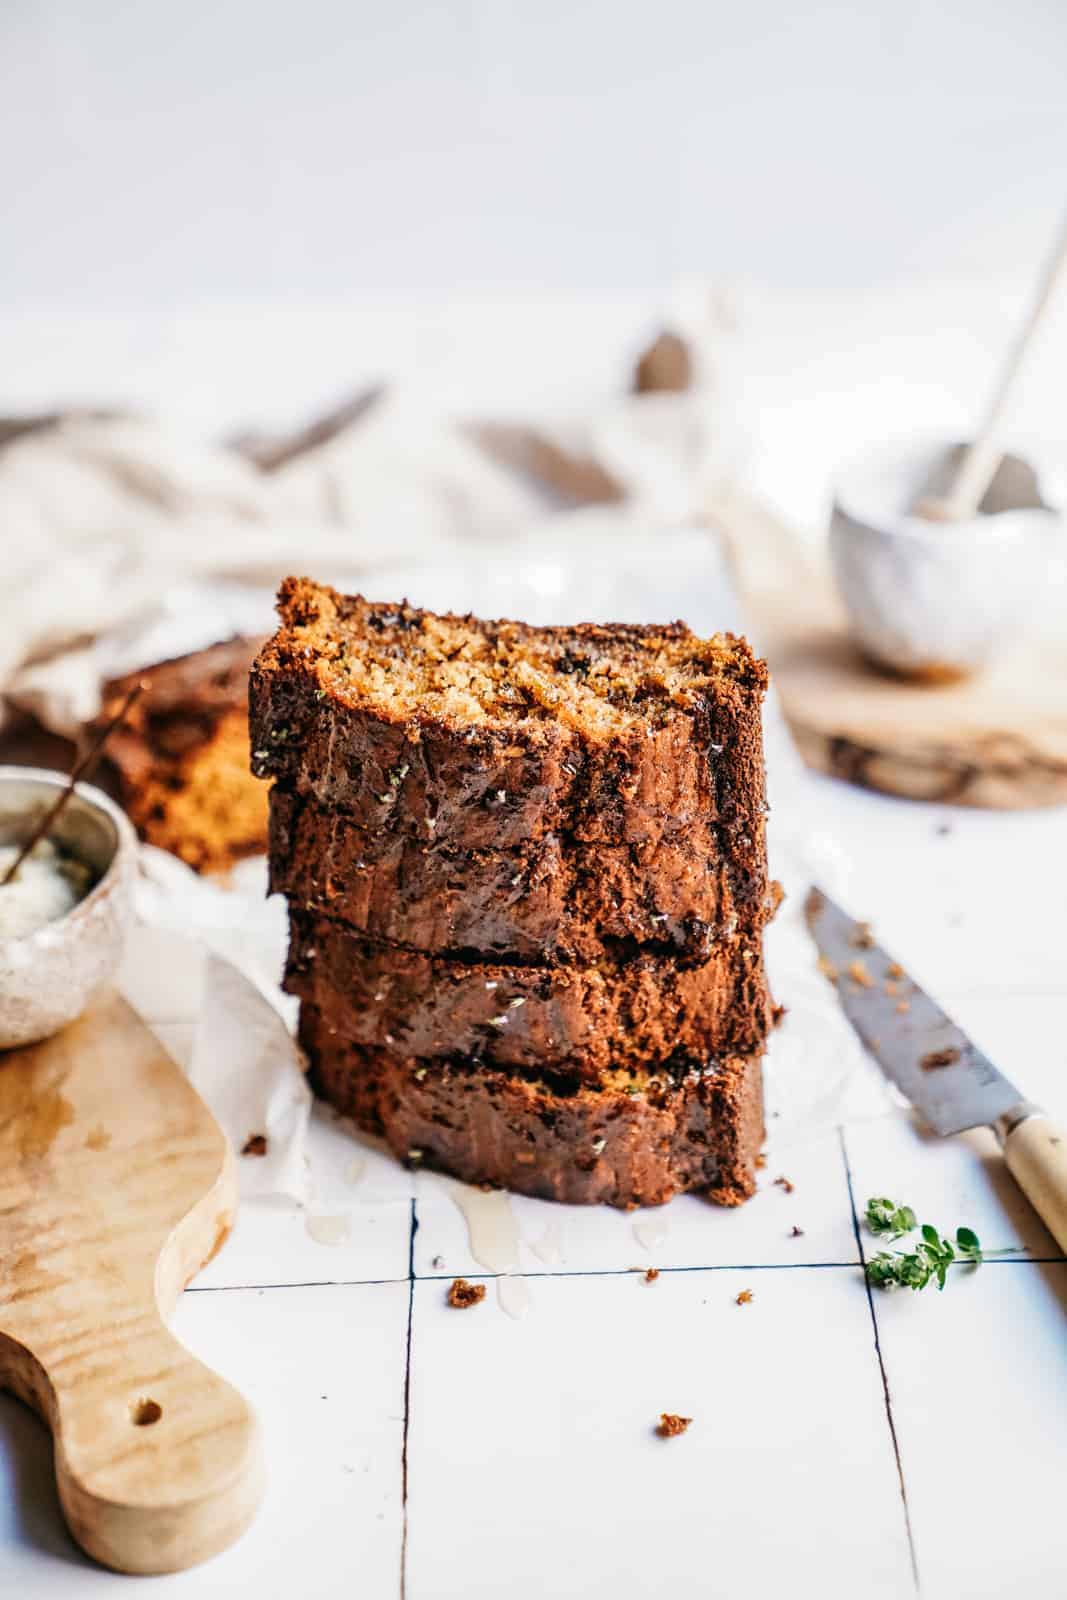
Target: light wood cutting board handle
116 1187
157 1459
1035 1149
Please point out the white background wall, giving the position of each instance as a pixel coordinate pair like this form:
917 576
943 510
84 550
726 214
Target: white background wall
236 211
162 155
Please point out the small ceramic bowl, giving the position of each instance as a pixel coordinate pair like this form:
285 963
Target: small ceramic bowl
48 977
936 600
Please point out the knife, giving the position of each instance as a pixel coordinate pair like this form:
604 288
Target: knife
948 1080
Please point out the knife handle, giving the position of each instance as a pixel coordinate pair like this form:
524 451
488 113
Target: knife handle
1035 1150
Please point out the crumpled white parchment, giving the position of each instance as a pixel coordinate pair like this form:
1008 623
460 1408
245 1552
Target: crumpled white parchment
203 967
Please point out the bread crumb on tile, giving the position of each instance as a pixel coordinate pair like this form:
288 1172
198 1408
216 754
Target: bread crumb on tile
462 1295
671 1425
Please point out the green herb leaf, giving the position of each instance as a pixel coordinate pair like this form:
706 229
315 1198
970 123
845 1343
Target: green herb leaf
968 1242
931 1257
886 1217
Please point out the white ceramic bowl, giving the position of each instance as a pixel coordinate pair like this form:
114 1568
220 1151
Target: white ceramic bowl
49 977
933 599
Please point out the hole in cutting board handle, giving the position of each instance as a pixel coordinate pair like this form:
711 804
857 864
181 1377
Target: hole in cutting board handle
144 1412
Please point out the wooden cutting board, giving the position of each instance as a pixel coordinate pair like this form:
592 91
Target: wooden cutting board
116 1187
999 740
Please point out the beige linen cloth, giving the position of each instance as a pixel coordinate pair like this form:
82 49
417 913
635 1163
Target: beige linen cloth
125 541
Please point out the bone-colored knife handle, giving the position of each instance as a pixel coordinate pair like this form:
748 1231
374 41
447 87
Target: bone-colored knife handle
1035 1149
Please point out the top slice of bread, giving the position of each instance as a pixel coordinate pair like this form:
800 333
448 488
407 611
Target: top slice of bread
490 734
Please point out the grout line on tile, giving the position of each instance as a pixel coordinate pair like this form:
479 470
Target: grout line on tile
306 1283
407 1405
593 1272
881 1367
1023 1260
664 1271
590 1272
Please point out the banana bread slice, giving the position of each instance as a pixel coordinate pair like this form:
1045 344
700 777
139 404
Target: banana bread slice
179 763
487 735
637 1140
551 899
583 1020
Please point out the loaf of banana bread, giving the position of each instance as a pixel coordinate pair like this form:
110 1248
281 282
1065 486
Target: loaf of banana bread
636 1139
586 1020
527 888
550 899
179 763
482 735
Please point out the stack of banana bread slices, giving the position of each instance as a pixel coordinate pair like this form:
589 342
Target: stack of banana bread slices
527 888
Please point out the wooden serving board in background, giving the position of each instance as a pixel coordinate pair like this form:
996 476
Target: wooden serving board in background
998 740
116 1187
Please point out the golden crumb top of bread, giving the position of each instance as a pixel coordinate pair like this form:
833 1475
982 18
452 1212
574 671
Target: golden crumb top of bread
405 663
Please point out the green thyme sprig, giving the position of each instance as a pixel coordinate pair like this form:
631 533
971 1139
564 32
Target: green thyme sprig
931 1257
886 1217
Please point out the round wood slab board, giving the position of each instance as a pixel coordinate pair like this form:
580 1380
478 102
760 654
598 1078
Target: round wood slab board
999 740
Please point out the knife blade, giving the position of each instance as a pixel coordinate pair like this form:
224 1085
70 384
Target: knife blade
930 1059
948 1080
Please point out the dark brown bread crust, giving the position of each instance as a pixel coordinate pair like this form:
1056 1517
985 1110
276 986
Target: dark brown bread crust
500 785
550 900
184 700
580 1020
178 763
626 1146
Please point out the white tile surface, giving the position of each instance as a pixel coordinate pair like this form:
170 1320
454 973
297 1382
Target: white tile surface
535 1468
976 907
979 1390
356 1227
325 1370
